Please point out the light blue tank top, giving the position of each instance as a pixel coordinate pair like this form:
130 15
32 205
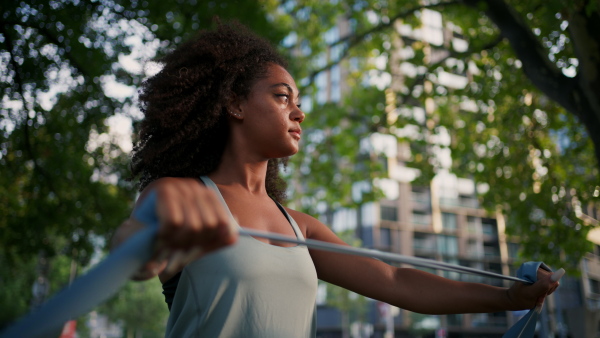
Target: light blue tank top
250 289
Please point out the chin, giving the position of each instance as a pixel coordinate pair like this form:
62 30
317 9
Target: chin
285 153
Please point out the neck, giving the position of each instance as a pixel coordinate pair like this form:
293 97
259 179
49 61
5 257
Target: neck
241 170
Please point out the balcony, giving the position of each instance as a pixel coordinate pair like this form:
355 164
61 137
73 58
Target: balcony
472 203
421 219
420 198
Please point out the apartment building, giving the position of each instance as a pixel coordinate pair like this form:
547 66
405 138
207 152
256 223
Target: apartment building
442 220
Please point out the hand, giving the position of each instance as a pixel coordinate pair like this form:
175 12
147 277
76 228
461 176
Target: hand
527 296
192 222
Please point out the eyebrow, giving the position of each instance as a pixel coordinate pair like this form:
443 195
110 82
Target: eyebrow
283 84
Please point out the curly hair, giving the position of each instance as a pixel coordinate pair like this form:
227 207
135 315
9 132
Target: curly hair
184 130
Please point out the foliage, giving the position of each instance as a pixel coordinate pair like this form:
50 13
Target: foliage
331 154
67 67
17 279
140 308
514 127
62 187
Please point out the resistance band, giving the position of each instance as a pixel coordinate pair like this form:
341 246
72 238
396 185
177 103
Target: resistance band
107 277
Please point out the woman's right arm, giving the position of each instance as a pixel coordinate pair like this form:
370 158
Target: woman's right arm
192 222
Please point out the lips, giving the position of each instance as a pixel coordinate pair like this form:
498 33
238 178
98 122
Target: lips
296 132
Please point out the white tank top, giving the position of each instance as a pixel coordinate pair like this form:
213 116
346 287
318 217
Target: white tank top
250 289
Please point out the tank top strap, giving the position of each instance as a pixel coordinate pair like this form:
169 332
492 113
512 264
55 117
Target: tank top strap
211 185
293 223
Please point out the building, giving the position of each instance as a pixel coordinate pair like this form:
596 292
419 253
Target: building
441 220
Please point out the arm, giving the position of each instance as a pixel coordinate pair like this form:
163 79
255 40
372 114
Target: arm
413 289
192 222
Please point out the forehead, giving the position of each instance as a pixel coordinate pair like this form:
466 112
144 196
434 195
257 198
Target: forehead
277 76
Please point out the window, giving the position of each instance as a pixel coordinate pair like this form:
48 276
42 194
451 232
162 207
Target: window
468 201
473 224
491 250
448 221
594 286
473 248
447 245
489 227
385 237
420 217
420 196
423 242
451 274
389 213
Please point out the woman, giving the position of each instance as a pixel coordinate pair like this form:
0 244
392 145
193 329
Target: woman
220 118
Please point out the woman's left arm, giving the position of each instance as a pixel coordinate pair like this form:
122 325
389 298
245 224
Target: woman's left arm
413 289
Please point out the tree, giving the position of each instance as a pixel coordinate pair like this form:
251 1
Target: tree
526 121
63 186
140 308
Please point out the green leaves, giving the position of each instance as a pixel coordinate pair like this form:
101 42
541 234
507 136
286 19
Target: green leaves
66 68
535 155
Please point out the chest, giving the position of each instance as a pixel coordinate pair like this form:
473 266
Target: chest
260 214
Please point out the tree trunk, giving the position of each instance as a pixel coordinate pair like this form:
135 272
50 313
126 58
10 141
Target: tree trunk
578 95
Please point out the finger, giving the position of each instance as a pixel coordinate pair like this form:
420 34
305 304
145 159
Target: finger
175 262
557 275
186 234
194 223
169 211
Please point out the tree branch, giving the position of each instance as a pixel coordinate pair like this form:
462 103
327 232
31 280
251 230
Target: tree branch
544 74
52 39
352 40
20 87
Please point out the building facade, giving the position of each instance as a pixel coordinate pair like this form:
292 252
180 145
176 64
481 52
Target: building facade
441 220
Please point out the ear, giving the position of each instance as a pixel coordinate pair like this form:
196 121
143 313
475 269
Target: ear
234 109
236 114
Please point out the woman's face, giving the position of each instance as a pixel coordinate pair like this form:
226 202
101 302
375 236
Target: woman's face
271 116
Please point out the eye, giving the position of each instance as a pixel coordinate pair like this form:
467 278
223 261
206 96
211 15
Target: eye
287 96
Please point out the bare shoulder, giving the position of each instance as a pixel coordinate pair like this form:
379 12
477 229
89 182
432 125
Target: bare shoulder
312 228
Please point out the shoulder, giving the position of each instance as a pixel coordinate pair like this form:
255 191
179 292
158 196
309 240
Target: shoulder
310 226
301 217
169 182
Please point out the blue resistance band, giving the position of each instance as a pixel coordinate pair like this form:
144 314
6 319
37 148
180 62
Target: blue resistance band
525 327
107 277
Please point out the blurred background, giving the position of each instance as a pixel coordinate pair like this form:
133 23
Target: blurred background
463 131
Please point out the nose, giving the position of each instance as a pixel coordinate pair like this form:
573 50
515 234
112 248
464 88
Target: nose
297 115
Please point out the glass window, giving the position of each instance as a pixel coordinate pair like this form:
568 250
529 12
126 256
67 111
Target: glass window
473 224
474 249
594 286
491 250
419 217
423 242
385 237
447 245
389 213
448 221
489 227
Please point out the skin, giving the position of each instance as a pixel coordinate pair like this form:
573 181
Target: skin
266 125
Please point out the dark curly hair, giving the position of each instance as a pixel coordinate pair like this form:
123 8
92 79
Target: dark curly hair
184 130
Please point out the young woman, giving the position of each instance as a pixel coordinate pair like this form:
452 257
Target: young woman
220 118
